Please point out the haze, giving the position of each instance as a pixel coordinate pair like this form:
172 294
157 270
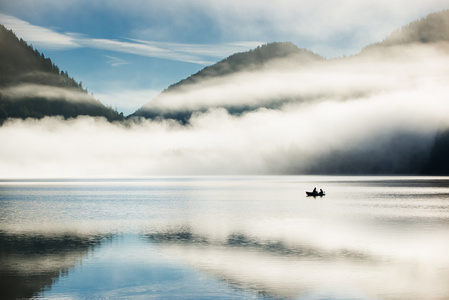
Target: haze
384 105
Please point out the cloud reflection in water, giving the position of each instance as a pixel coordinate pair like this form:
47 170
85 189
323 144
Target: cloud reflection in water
357 265
234 237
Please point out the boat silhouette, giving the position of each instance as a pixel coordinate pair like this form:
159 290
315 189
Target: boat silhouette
315 194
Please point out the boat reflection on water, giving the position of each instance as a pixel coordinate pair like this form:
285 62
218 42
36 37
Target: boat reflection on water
32 263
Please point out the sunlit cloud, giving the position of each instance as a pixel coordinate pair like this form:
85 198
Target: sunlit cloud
381 108
406 69
261 142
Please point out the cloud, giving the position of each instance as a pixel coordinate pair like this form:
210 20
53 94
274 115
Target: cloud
192 53
287 80
115 61
261 142
39 36
345 26
377 112
143 49
330 28
216 51
296 256
43 91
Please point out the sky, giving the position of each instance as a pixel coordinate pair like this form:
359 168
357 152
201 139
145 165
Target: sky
127 52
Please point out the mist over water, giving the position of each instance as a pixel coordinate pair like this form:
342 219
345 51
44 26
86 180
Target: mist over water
375 113
261 142
227 237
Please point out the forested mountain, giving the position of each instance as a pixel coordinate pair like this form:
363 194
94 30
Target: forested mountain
32 86
428 31
431 29
249 61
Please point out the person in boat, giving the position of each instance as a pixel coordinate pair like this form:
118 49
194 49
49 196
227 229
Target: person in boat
314 191
321 192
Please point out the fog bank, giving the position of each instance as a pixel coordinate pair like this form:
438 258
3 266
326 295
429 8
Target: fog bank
296 139
376 113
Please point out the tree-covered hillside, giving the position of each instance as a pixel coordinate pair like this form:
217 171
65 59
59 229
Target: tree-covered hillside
432 29
252 60
32 86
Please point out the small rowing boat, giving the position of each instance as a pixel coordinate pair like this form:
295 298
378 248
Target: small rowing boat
315 194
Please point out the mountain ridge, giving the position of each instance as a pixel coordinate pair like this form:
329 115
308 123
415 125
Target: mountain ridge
252 59
32 86
249 61
431 29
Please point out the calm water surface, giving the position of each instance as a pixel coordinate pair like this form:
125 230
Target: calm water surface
225 238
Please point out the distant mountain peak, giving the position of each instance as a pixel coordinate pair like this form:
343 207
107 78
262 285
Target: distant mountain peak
251 60
431 29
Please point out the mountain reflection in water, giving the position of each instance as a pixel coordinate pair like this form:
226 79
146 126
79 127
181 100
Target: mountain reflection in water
30 264
287 263
225 238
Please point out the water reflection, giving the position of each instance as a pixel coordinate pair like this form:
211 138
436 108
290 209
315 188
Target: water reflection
30 264
353 264
259 237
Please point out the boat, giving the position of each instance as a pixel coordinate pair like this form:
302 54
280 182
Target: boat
315 194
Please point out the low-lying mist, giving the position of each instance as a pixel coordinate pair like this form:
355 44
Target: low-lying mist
44 92
377 112
279 81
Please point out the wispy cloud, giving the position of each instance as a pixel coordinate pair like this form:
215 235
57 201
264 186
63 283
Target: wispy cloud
115 61
39 36
144 49
207 50
203 54
331 28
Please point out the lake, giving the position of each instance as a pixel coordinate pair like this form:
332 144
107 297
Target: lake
225 238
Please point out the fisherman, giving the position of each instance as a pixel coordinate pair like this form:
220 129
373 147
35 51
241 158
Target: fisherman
321 192
314 190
